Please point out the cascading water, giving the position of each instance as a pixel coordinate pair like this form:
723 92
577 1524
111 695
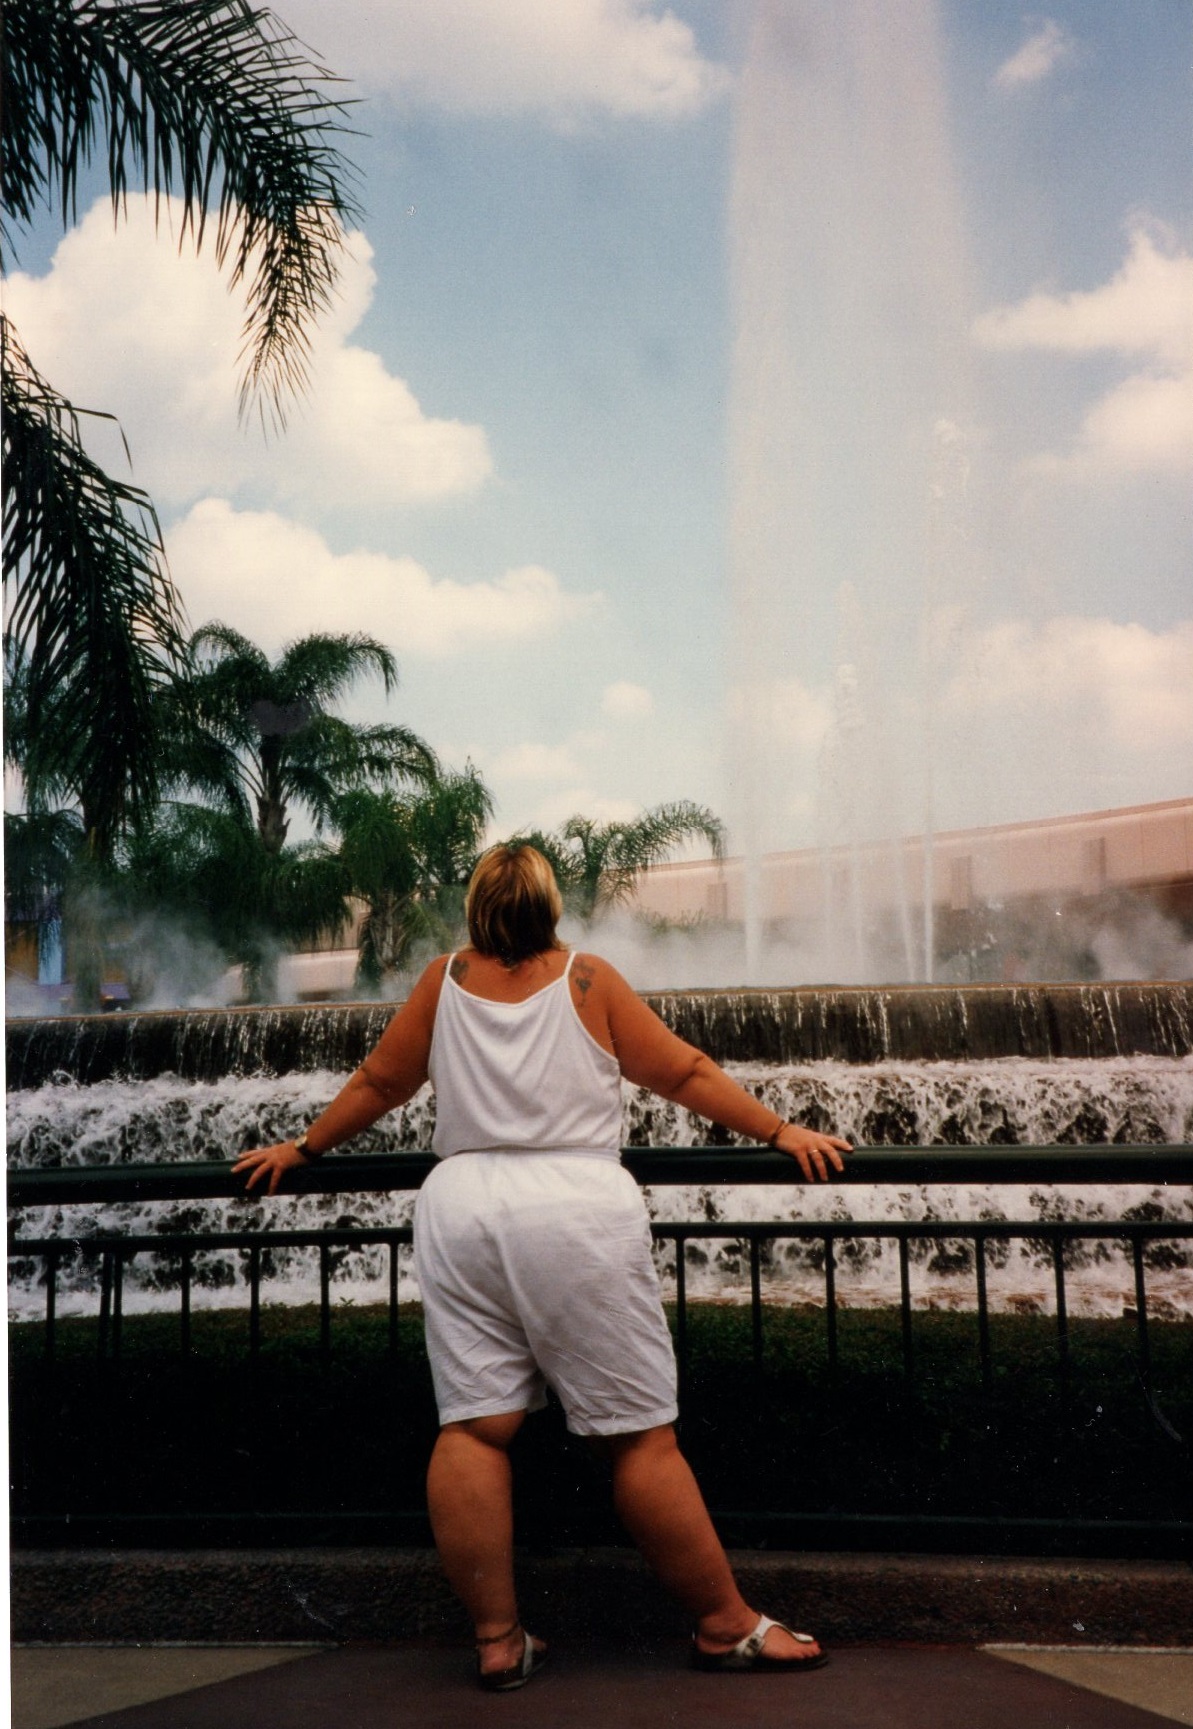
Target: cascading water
1129 1079
850 396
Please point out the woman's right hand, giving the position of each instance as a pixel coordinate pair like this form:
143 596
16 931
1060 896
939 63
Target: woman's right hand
815 1152
272 1162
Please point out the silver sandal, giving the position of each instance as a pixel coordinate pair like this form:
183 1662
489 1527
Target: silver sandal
748 1655
519 1673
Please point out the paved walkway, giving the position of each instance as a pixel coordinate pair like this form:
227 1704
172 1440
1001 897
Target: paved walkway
425 1685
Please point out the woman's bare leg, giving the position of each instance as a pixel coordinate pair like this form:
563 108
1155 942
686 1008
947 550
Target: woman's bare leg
660 1504
470 1503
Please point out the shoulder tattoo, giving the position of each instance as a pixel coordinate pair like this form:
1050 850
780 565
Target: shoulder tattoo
583 974
458 967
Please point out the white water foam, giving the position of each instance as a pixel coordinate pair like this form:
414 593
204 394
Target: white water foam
1011 1101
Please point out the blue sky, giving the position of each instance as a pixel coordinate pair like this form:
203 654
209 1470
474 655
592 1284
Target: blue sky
515 464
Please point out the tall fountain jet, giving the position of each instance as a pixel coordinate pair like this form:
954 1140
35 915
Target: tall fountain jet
848 447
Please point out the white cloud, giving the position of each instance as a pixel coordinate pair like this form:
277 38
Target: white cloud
1083 683
532 761
274 579
557 807
1145 311
1147 308
127 321
564 59
1048 46
626 701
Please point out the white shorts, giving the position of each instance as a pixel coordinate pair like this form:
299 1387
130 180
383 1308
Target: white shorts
535 1268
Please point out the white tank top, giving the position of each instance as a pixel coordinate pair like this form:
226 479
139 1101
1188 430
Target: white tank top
521 1077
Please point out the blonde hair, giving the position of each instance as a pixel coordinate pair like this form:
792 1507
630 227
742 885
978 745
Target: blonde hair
513 904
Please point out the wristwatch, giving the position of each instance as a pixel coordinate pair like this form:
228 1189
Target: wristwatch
300 1146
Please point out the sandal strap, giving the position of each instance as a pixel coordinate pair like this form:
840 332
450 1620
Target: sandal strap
747 1649
496 1638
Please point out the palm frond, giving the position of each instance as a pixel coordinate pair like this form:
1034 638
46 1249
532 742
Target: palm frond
322 667
448 822
93 613
214 102
597 864
330 755
262 725
377 844
40 851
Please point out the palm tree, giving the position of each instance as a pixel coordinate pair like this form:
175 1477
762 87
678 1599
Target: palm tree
256 736
409 859
200 878
597 864
214 103
94 623
41 851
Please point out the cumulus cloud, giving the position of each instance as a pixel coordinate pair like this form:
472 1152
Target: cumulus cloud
626 701
1048 46
1144 312
1082 684
127 320
563 59
252 568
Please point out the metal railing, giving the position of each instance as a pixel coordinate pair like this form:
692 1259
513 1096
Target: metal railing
1162 1529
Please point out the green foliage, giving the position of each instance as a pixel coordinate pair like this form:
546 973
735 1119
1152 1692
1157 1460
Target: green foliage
409 859
207 873
597 864
250 734
791 1436
214 103
93 628
41 849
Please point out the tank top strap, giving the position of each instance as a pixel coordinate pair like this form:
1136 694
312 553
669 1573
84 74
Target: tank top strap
568 968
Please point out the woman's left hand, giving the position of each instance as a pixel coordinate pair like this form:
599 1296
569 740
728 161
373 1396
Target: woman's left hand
271 1162
814 1152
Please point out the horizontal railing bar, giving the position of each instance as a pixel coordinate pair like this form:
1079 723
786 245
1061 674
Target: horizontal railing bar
653 1166
1045 1230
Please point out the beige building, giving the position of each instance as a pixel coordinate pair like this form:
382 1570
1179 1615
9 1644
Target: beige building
986 888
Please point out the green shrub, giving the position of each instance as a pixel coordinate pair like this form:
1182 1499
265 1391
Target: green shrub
296 1429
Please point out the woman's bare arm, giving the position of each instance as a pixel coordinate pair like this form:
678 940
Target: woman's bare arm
392 1073
652 1056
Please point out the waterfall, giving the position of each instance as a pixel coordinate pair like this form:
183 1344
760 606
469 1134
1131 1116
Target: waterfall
853 1025
987 1065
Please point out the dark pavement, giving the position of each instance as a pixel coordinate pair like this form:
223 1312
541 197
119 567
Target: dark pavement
426 1685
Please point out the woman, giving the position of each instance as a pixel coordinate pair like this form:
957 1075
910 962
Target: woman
533 1251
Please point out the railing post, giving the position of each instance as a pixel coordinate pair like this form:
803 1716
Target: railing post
1062 1313
756 1306
830 1302
184 1303
1145 1354
979 1251
905 1307
325 1303
105 1302
254 1304
52 1260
